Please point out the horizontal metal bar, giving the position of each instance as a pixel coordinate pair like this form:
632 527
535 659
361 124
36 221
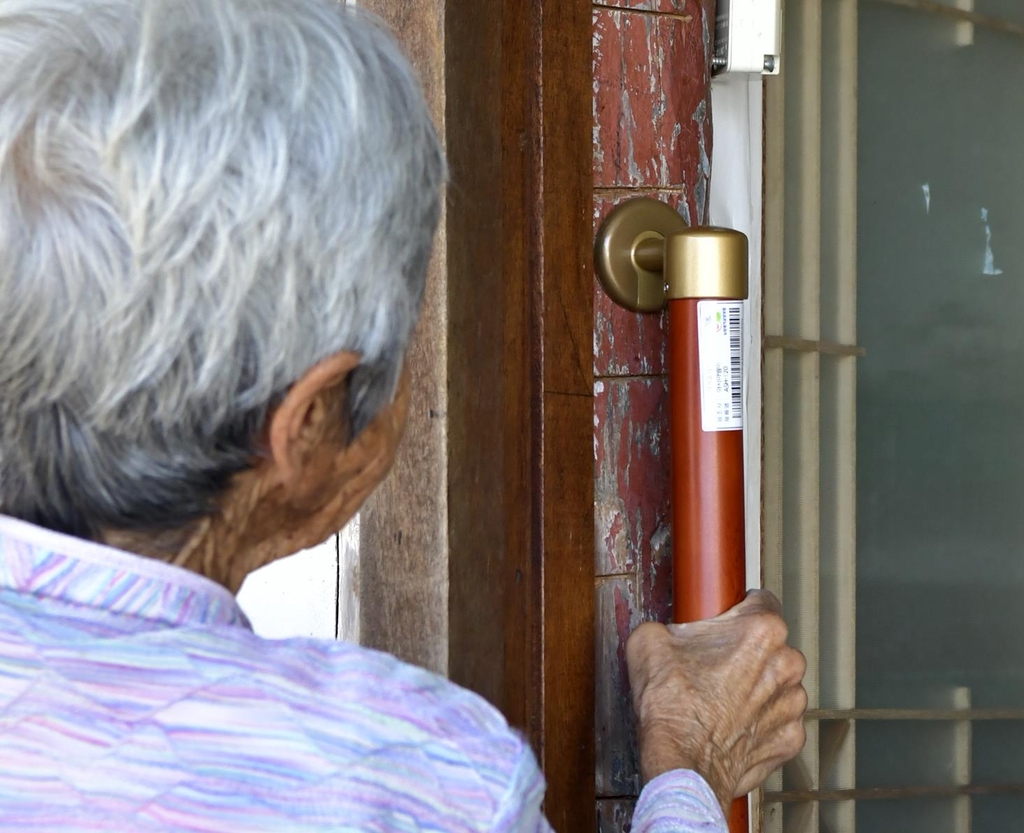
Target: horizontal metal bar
985 21
806 345
949 715
881 793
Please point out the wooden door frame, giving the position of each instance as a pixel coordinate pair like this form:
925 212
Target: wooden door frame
491 580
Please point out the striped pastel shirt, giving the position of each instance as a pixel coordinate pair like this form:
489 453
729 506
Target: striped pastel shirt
135 697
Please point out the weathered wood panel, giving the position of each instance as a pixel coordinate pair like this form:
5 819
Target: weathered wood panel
614 815
477 425
521 378
494 494
567 462
403 571
631 497
632 555
652 137
618 613
684 8
652 119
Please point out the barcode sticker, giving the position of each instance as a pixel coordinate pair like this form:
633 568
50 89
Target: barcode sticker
720 346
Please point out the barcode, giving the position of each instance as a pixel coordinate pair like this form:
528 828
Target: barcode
720 349
734 329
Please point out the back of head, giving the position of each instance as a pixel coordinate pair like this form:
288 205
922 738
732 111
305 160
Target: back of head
199 200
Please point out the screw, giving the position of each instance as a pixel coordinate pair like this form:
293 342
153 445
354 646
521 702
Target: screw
769 63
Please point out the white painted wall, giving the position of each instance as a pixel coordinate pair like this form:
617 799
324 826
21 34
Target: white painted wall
735 202
312 593
296 596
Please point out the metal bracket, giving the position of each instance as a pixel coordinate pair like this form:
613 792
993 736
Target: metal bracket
646 256
623 252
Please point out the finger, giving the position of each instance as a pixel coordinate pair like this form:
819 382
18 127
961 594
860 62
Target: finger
642 642
756 601
785 706
787 667
763 600
785 745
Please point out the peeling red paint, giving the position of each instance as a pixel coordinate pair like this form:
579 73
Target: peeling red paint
650 78
652 137
615 815
632 487
616 744
686 8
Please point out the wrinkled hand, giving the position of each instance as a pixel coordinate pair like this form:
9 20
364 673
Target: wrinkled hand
723 697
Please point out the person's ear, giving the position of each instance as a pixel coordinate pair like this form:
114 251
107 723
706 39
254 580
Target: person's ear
308 414
332 483
354 471
373 451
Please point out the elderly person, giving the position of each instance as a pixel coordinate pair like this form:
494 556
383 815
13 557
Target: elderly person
201 371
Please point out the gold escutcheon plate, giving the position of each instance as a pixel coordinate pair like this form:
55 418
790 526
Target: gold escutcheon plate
620 255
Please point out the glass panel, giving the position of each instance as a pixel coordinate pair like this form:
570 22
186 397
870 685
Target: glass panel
1011 11
991 811
908 816
999 752
998 14
894 754
940 409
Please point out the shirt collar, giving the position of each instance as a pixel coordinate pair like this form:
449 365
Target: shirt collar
47 564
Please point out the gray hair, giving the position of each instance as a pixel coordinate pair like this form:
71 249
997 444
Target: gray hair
199 200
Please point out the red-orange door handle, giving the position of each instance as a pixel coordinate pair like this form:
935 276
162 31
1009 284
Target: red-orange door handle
645 257
708 552
708 531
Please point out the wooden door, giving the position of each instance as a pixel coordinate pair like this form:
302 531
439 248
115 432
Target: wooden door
498 552
478 553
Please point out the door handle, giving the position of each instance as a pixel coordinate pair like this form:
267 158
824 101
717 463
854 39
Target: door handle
647 259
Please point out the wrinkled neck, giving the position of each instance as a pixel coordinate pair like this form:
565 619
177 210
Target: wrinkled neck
218 547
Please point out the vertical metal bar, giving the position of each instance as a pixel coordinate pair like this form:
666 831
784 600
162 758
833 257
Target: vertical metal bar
772 380
839 403
962 823
801 439
801 565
